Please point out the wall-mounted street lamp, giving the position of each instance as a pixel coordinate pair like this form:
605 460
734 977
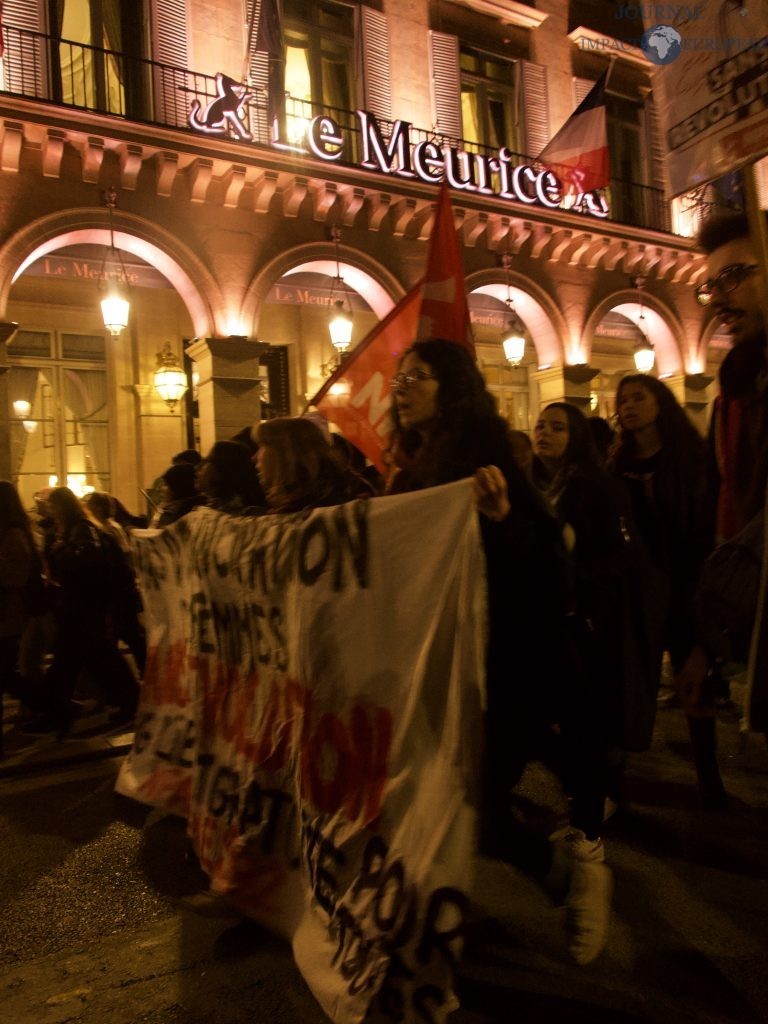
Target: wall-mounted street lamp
169 379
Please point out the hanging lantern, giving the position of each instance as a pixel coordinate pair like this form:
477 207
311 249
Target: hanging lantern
21 408
115 306
340 320
644 355
340 326
513 338
170 380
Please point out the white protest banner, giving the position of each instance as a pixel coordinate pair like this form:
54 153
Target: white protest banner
312 706
713 83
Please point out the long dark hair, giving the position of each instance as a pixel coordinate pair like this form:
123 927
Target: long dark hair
306 470
468 432
235 473
580 456
466 414
679 437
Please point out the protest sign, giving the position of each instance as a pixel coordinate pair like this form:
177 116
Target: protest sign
312 707
714 89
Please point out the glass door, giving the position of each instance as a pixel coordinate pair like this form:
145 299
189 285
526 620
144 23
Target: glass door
58 412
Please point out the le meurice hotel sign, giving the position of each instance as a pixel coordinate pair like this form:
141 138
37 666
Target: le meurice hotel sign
398 155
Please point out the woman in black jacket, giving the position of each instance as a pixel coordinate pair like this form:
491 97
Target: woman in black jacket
447 428
662 460
79 558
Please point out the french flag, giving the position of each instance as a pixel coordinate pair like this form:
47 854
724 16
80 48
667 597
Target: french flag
578 153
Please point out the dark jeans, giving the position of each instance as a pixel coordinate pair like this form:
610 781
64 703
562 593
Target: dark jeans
83 641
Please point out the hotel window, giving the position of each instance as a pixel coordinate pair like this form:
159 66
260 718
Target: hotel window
480 97
319 48
488 111
94 63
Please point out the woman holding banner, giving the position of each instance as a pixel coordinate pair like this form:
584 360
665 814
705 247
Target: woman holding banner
447 428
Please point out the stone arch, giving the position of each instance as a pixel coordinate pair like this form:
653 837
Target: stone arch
195 285
378 287
708 330
663 328
538 312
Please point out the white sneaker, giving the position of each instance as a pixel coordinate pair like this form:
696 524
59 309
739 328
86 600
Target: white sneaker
580 878
568 845
589 909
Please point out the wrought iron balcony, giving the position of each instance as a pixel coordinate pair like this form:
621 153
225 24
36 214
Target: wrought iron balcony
91 78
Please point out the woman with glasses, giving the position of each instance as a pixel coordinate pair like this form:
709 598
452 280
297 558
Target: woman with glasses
447 428
662 460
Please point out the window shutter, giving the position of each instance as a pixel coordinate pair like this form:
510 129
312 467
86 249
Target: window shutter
22 65
377 86
655 151
170 47
534 107
446 83
581 88
258 76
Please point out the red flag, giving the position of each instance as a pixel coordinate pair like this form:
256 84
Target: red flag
356 396
444 310
578 154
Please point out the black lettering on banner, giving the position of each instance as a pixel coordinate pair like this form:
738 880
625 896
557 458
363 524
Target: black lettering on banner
375 853
264 807
175 739
391 894
227 627
143 735
321 855
309 574
257 617
257 566
201 617
423 997
283 557
438 934
357 545
223 798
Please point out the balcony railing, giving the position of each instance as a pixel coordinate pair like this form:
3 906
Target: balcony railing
91 78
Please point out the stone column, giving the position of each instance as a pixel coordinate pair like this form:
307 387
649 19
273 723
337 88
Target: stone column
566 384
7 331
228 389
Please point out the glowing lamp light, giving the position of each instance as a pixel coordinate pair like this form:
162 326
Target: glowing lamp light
114 311
114 306
170 380
22 408
514 344
645 357
29 425
340 327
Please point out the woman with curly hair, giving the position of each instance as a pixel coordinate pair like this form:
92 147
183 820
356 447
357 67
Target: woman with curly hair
662 460
447 428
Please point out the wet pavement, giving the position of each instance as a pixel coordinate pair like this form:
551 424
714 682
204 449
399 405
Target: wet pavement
95 928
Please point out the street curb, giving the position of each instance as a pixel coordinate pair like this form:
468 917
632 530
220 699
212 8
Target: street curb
84 757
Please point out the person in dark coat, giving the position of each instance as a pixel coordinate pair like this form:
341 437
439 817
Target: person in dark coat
179 494
662 460
447 428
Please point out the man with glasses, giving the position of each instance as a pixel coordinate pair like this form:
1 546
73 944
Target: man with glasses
735 291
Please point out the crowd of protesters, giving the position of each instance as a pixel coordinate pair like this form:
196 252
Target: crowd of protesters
599 561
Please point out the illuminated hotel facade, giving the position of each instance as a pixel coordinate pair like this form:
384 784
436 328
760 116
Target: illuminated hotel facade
230 226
